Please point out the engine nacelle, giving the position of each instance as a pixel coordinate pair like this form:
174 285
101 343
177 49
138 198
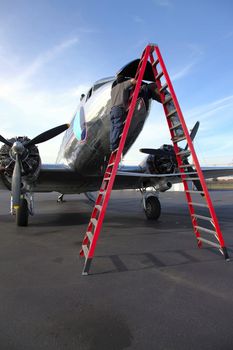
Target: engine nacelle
30 161
163 185
161 161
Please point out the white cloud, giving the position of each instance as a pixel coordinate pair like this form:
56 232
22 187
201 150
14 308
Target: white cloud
195 54
212 147
46 57
212 108
26 109
183 72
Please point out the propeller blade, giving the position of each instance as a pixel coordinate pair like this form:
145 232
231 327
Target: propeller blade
16 182
47 135
6 142
193 133
152 151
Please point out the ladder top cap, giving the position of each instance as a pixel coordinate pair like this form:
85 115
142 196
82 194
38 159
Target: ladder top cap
152 44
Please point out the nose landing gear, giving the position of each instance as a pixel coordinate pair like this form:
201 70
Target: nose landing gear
22 213
25 208
151 204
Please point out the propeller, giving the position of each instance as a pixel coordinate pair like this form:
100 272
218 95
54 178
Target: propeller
162 153
157 152
153 151
193 133
6 142
17 151
47 135
16 182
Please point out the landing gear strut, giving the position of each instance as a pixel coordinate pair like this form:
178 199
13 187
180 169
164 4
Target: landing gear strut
151 205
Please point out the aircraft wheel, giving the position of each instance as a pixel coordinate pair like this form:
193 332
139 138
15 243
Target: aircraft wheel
153 208
22 213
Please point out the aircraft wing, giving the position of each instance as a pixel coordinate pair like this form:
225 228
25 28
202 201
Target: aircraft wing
208 172
153 179
60 178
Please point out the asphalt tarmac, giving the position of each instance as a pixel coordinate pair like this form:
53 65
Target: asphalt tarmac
150 287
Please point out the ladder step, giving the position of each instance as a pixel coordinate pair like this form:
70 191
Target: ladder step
186 165
159 75
102 193
183 153
205 230
169 99
178 138
94 221
163 87
155 63
85 250
191 178
195 191
170 114
198 204
89 235
106 178
209 242
98 206
175 126
207 218
111 164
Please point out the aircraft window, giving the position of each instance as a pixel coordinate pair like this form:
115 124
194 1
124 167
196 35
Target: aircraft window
79 127
89 94
97 86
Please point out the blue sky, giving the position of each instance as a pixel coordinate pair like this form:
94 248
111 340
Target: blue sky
52 51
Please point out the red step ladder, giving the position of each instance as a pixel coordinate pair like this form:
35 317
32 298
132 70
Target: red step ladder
179 132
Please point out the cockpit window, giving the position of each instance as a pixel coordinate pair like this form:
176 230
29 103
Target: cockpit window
89 94
79 126
97 86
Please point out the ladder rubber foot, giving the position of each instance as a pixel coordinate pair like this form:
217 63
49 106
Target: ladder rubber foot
225 253
86 267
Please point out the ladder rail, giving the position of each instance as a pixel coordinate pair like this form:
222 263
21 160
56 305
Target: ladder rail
131 109
176 148
191 148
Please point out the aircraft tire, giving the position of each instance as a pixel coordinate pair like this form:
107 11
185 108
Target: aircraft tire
153 208
22 213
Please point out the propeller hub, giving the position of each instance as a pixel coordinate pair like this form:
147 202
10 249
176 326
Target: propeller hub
17 148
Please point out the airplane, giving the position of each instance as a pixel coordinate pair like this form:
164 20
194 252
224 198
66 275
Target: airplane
84 153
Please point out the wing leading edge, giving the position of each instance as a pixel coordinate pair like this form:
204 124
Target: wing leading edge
61 178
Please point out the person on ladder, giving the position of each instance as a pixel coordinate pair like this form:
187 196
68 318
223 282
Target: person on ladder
119 100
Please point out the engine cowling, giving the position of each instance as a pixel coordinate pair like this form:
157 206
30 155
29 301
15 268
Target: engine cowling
30 160
162 161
